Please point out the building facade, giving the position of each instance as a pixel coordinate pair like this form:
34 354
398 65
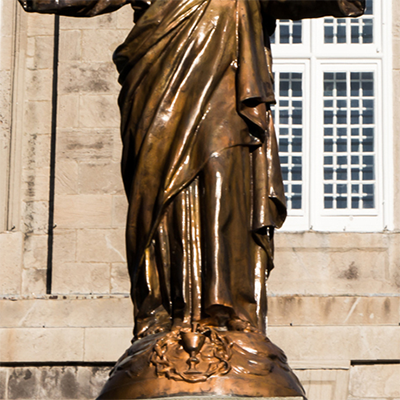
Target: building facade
334 296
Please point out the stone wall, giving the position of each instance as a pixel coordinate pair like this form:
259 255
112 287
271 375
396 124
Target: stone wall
334 304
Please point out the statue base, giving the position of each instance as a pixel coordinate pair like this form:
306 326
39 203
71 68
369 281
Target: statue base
229 398
210 362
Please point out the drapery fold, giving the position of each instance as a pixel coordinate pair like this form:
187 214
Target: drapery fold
168 84
197 87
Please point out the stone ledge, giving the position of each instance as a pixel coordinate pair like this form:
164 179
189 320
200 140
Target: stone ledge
12 297
63 344
67 382
67 311
110 310
337 343
335 241
333 310
320 365
63 382
311 347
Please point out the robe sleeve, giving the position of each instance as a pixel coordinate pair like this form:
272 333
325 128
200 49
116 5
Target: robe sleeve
78 8
299 9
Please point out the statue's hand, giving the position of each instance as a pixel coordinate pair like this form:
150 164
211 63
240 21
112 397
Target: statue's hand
352 8
358 3
26 4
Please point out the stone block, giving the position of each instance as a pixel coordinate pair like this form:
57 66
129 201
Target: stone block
94 313
99 111
330 240
35 251
393 268
106 344
333 310
120 282
7 13
40 25
41 344
88 78
331 272
34 281
375 381
99 44
117 148
66 311
321 364
35 216
64 245
96 178
395 149
3 382
57 382
120 210
85 144
101 245
324 384
396 52
38 117
6 52
396 19
80 277
68 110
66 177
44 53
5 99
11 250
106 21
30 52
83 211
23 383
396 92
36 151
359 241
337 342
35 183
125 19
70 45
91 381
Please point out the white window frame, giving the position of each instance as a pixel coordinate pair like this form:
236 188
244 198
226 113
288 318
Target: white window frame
336 219
299 218
317 58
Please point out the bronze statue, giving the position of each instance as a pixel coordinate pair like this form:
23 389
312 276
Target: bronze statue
201 171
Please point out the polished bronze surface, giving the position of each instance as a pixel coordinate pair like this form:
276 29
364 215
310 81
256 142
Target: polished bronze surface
201 172
230 363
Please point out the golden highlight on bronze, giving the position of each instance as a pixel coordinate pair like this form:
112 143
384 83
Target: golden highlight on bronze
201 172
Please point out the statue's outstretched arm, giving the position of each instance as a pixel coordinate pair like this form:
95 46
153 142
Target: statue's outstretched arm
298 9
75 8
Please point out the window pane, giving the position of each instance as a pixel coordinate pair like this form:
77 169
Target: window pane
349 140
289 126
288 32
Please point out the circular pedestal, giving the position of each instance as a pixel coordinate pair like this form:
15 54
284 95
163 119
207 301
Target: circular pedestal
226 363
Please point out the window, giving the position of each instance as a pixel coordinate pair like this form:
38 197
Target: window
351 31
349 157
290 123
334 128
288 32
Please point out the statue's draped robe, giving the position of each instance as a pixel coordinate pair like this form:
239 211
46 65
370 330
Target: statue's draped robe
200 162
